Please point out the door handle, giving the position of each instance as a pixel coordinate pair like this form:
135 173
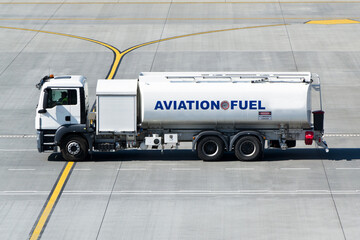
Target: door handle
67 118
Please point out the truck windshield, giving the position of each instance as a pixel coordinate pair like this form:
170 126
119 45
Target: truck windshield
61 97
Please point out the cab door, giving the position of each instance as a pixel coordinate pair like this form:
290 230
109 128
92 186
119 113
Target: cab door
62 107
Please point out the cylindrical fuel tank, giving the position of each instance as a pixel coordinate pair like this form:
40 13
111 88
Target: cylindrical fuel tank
222 104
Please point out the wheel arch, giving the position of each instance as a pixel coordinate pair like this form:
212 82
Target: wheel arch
78 129
203 134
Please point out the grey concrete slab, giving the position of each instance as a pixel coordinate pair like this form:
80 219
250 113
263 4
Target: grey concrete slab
28 171
94 176
222 176
349 210
70 218
168 216
17 214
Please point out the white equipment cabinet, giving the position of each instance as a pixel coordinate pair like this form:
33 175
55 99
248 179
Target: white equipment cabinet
116 106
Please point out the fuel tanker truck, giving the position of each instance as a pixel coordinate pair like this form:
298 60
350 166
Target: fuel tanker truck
240 112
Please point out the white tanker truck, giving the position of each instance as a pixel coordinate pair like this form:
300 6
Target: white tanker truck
239 112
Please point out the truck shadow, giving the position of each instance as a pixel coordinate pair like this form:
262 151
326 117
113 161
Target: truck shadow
336 154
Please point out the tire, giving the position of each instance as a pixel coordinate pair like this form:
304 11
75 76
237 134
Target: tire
210 148
74 148
248 148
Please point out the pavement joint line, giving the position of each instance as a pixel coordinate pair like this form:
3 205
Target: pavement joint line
82 169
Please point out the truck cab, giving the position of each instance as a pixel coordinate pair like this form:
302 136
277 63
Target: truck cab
63 102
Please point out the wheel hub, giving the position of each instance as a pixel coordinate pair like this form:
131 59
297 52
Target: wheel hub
73 148
247 148
210 148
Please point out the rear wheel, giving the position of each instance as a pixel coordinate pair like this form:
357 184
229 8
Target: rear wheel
210 148
74 148
248 148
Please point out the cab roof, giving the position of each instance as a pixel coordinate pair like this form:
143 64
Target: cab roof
65 81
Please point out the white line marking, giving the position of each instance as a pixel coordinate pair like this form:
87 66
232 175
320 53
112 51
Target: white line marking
82 169
301 191
24 193
192 192
18 136
69 191
347 168
185 169
238 169
295 168
166 164
18 150
21 169
131 169
342 135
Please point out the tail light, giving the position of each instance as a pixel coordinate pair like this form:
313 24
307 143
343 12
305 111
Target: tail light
309 137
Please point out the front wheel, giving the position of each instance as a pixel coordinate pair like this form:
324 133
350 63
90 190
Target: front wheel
210 148
74 148
248 148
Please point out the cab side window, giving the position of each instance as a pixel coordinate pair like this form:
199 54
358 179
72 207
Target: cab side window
61 97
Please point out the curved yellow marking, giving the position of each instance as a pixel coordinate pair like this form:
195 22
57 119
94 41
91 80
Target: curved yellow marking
117 52
51 202
333 21
192 34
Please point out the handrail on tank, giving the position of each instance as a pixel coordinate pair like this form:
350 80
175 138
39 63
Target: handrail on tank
256 78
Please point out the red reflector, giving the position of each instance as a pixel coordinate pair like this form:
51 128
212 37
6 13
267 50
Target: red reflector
309 137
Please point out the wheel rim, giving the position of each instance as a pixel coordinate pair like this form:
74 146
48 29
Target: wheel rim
247 148
73 148
210 148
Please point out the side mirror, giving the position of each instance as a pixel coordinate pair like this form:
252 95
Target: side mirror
45 99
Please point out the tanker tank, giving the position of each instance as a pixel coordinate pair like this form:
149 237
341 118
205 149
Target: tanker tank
215 101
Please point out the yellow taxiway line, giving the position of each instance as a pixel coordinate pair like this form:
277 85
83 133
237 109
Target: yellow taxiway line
51 202
332 21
